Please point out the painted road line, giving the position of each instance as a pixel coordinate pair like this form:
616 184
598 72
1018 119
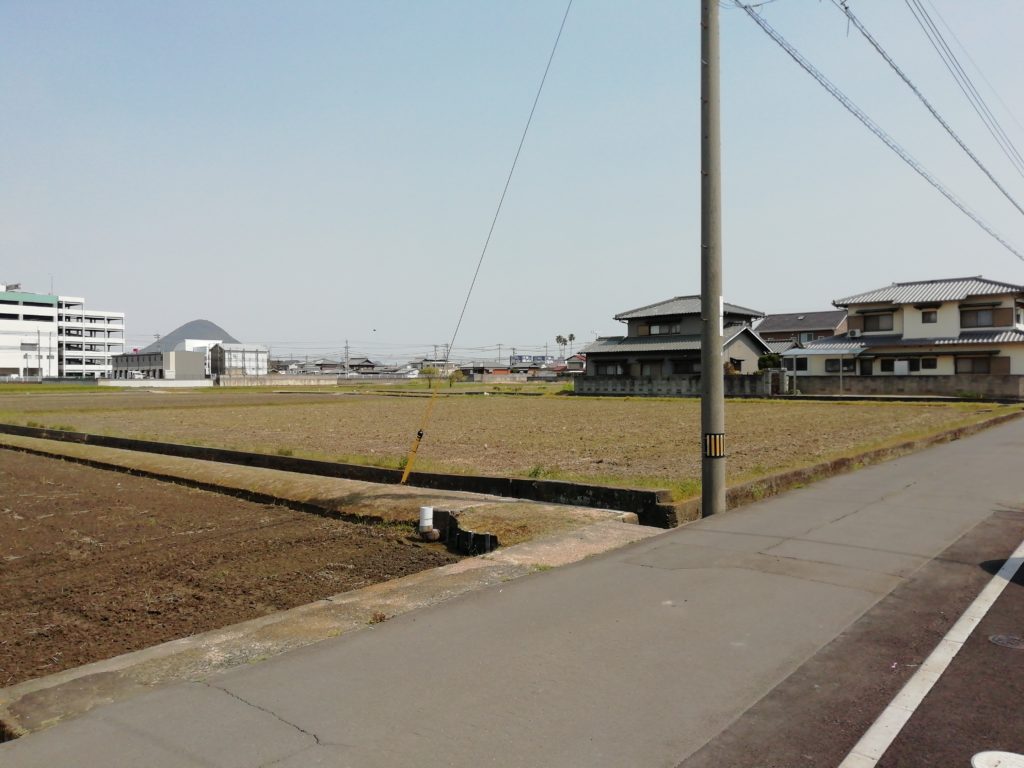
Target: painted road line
869 750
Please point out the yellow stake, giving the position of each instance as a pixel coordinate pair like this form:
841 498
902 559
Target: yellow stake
411 458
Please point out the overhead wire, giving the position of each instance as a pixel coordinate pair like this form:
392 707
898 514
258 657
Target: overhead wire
977 69
857 112
844 7
965 83
411 458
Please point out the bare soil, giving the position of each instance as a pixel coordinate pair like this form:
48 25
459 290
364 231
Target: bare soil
617 441
94 563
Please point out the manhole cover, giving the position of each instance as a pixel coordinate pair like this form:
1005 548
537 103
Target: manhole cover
997 760
1008 641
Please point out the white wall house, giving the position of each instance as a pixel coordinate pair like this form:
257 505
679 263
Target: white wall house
934 327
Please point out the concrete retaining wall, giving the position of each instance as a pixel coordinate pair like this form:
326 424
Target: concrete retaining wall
651 507
752 385
155 383
958 385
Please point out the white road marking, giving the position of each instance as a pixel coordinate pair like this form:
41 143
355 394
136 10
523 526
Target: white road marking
997 760
869 750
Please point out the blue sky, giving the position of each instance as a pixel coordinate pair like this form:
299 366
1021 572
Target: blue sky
302 173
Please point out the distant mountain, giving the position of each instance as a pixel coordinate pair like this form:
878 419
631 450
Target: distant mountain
196 329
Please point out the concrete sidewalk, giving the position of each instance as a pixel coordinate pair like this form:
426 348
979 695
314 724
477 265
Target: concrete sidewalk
635 657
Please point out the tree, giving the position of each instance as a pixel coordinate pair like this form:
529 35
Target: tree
561 341
571 339
456 376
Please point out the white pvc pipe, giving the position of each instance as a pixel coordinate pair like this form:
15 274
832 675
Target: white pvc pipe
426 519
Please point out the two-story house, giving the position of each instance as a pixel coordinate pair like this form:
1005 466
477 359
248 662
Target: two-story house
663 340
966 325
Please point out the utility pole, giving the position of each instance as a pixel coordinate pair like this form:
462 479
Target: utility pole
346 355
712 395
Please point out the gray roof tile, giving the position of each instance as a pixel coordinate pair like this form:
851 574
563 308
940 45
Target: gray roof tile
953 289
802 321
682 305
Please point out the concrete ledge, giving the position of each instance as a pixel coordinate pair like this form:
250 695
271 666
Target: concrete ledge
652 507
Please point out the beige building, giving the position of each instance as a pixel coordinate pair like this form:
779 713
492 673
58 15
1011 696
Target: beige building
966 327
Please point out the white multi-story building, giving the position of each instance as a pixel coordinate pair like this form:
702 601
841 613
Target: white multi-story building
42 335
28 333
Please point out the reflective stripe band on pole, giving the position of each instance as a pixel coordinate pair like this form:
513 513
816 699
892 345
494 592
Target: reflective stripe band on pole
714 445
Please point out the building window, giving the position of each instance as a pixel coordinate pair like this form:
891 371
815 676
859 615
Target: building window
887 366
650 369
914 364
801 363
878 322
662 328
608 369
973 365
976 318
930 316
929 363
832 365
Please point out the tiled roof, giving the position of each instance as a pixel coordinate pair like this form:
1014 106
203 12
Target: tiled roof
954 289
802 321
682 305
864 343
780 346
661 343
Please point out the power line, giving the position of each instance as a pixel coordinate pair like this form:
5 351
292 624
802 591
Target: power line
841 5
963 80
483 252
976 67
872 126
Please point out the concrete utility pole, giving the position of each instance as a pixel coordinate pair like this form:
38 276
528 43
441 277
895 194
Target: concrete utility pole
712 398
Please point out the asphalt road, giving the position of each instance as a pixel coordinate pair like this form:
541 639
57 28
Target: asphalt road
666 652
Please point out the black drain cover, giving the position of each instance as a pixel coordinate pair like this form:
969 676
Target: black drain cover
1008 641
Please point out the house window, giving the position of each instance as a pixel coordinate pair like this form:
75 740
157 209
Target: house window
878 322
973 365
832 365
608 369
661 328
976 318
929 363
930 316
914 364
801 363
887 366
807 336
650 369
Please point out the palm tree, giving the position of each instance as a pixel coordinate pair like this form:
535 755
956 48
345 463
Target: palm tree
561 341
571 339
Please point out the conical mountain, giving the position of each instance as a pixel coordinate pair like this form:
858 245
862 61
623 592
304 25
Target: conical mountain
196 329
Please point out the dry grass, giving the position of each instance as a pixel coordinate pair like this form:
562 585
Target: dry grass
516 523
618 441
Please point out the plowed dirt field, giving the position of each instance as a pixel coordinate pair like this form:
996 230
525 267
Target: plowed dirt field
95 563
